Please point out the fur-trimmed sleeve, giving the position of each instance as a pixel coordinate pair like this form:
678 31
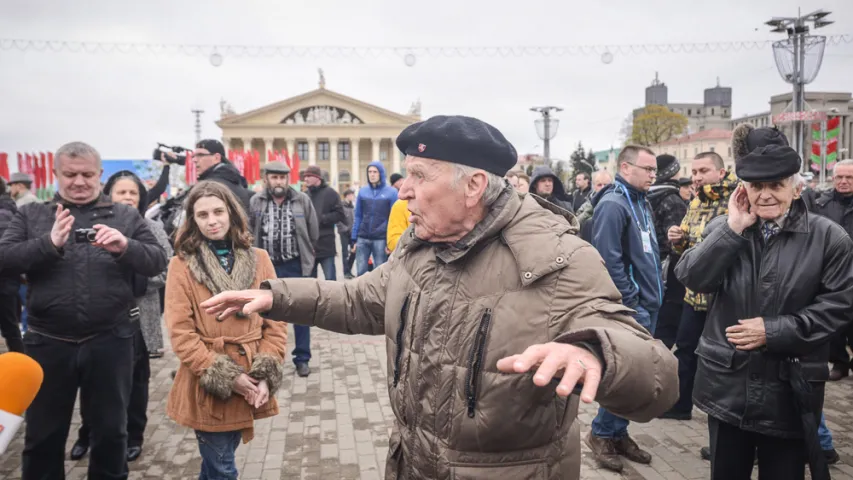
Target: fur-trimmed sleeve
268 364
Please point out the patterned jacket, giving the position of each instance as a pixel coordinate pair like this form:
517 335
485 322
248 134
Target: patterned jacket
712 201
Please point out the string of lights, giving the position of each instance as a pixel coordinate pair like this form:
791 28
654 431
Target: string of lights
256 51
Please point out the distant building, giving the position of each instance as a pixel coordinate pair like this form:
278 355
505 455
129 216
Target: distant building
606 159
714 113
686 147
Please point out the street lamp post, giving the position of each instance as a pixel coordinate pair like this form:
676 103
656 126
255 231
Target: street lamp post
546 128
795 66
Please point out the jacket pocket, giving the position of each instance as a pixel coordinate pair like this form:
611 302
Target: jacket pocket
401 335
475 361
812 371
715 352
526 470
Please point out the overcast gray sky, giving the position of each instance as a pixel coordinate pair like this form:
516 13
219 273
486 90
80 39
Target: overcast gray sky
123 103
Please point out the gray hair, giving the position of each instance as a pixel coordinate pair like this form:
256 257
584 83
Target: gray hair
844 163
77 150
494 184
796 181
601 173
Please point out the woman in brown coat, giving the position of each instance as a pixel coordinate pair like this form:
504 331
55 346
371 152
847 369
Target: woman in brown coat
230 368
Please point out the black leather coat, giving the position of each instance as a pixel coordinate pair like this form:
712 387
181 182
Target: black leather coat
801 284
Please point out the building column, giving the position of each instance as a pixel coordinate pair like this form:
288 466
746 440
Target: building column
395 156
269 147
247 144
333 162
375 143
291 146
226 142
355 172
312 151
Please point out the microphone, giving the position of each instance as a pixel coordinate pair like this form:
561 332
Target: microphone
20 380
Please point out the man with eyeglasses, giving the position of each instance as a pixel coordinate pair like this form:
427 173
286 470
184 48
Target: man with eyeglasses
212 163
623 232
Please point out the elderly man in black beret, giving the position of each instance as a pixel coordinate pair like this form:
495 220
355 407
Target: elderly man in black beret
782 285
493 311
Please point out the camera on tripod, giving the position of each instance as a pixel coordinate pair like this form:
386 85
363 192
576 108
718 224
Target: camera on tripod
179 153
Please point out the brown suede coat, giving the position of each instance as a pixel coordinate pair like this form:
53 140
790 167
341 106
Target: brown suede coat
449 313
213 353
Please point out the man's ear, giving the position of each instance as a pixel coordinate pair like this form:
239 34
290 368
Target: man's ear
475 187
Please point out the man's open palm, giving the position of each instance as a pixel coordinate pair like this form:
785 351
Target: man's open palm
246 301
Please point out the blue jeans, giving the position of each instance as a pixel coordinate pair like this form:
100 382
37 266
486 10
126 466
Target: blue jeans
364 249
22 291
605 424
217 454
328 265
302 352
824 434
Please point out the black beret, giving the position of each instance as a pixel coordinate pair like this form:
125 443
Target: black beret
684 182
768 164
668 167
461 140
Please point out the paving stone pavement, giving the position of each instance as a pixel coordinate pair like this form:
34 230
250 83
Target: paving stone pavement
334 425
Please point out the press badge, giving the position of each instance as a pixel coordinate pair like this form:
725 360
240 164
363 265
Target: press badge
647 241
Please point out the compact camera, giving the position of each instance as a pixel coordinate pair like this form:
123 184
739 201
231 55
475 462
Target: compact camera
84 235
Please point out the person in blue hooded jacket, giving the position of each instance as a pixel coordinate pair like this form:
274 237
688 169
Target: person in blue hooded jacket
370 222
623 232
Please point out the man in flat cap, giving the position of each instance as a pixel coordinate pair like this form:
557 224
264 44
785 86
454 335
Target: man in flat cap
782 286
483 287
19 188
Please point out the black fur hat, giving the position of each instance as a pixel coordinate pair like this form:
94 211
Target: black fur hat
746 138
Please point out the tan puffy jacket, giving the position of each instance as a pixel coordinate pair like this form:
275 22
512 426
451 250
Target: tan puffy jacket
520 278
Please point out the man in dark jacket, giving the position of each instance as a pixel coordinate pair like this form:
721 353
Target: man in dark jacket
327 204
546 185
80 252
212 164
284 223
782 288
623 232
370 219
344 231
837 205
10 303
583 189
669 210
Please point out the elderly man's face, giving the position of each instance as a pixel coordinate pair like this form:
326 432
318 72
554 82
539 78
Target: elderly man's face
771 200
842 179
79 178
601 180
545 186
439 205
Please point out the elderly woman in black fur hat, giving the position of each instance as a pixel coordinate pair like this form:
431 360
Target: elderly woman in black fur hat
783 286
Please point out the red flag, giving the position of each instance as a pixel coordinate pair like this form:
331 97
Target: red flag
50 169
190 173
20 162
4 166
256 174
43 164
294 168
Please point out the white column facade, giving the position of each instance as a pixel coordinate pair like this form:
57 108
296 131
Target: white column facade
226 142
333 162
268 143
312 151
395 156
247 143
291 146
355 171
375 143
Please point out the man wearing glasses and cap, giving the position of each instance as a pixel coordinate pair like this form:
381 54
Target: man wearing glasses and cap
212 163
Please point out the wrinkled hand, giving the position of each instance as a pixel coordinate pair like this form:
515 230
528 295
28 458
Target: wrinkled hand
109 239
247 387
62 225
740 218
749 334
247 301
675 235
577 365
262 396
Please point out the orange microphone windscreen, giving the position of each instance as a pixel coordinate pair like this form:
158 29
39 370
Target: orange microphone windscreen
20 380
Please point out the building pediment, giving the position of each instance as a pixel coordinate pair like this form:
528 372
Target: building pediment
318 107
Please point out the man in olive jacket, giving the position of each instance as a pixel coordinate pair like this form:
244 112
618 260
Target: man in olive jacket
485 285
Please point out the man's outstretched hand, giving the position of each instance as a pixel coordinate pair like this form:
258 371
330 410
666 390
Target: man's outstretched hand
247 301
577 365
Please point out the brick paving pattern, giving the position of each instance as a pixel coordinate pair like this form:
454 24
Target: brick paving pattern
335 424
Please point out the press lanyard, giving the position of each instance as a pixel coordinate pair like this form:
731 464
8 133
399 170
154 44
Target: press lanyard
634 214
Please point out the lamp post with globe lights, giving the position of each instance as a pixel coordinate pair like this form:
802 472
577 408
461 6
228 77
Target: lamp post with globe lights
798 59
546 128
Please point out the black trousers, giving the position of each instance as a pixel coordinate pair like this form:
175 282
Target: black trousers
137 417
347 257
10 318
686 342
670 313
101 368
733 453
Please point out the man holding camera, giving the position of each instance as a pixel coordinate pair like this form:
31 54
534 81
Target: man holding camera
80 252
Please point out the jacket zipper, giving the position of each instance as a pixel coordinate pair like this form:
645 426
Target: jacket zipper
400 333
475 361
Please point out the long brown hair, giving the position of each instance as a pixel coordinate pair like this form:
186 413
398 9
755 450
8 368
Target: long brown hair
190 238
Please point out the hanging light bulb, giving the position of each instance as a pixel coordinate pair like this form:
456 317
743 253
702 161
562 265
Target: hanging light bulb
410 59
607 57
216 59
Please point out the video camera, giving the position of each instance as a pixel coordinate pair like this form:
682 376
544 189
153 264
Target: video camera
179 152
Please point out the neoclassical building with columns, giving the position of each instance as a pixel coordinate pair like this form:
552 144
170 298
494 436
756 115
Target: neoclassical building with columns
338 133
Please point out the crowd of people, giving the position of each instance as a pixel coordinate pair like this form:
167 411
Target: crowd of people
505 300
